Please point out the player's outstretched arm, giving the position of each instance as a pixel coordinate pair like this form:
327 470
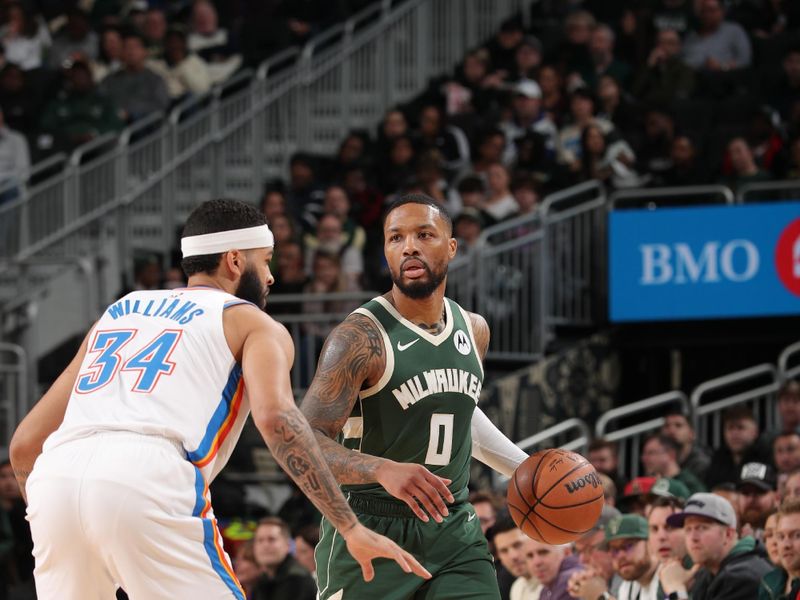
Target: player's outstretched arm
353 355
44 419
267 356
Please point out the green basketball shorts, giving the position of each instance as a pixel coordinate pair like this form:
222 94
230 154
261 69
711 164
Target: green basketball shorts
455 552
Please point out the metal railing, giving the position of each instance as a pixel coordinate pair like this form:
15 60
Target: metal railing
755 387
768 191
629 435
671 196
789 362
13 389
309 319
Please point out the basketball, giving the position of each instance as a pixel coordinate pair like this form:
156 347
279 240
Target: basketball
555 496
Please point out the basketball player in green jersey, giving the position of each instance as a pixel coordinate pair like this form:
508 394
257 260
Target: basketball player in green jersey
393 405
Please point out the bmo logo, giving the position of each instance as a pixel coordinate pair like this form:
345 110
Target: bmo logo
737 261
787 257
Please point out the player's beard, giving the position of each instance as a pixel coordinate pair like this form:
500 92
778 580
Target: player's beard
251 288
417 289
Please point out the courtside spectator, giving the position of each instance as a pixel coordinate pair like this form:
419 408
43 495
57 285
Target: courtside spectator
741 445
692 456
660 458
486 507
593 553
511 546
730 568
283 577
552 566
757 496
784 580
771 540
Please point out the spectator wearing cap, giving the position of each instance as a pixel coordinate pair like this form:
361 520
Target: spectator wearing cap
783 582
527 117
636 495
75 41
79 112
626 539
137 90
717 44
676 15
660 459
671 489
757 495
692 456
727 568
667 77
594 555
665 542
604 457
184 72
553 566
789 405
528 58
601 52
741 445
511 546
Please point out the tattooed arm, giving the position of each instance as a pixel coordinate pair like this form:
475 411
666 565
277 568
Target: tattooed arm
266 354
354 356
480 329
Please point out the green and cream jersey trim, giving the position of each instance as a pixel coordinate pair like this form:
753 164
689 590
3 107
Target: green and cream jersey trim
421 408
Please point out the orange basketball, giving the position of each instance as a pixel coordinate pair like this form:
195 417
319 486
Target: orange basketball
555 496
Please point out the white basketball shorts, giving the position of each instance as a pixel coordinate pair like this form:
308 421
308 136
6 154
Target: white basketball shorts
124 509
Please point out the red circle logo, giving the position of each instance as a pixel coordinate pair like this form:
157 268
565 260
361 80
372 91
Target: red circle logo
787 257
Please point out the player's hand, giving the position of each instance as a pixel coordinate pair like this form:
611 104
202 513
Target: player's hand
586 585
365 545
415 485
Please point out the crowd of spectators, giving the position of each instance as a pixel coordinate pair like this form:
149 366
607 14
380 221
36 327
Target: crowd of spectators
631 94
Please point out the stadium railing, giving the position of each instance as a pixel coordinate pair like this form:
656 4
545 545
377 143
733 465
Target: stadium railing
622 425
13 389
756 387
768 191
789 362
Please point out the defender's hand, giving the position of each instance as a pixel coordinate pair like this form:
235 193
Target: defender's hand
365 545
415 485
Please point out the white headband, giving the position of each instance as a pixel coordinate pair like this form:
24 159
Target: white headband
223 241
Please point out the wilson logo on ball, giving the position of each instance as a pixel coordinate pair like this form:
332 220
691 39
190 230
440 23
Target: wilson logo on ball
591 479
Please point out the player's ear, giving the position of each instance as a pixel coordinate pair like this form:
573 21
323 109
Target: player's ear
453 243
234 261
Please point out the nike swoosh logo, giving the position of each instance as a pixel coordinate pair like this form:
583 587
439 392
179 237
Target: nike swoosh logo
470 517
401 347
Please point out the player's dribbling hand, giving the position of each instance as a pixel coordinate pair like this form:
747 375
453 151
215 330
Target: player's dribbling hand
365 545
415 485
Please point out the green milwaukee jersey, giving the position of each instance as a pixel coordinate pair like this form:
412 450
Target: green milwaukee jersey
420 411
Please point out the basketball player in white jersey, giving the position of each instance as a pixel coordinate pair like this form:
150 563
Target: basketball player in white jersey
127 440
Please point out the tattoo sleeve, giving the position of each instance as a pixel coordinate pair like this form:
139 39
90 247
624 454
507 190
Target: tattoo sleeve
352 352
292 444
480 328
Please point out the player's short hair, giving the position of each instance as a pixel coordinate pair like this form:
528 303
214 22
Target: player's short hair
213 216
276 522
602 444
425 200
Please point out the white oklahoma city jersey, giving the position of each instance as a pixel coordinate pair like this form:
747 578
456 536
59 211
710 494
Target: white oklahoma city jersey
158 363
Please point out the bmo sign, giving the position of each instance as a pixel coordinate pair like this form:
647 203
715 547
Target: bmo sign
710 262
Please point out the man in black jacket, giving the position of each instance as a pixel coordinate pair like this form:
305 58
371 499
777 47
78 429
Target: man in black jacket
726 567
284 578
